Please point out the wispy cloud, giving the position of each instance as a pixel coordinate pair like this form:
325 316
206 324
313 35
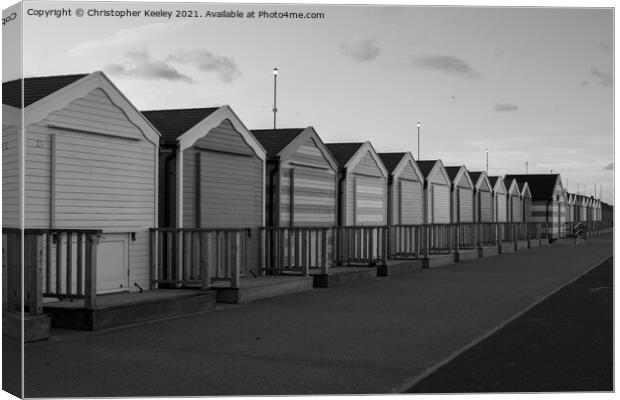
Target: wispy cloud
603 78
361 50
126 38
604 47
505 107
138 64
204 60
448 65
609 167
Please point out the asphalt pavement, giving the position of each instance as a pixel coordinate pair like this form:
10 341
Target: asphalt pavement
375 337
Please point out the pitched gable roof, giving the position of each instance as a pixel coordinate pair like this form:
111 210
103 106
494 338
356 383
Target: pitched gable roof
343 152
391 160
541 185
34 88
426 166
452 172
475 175
173 123
275 142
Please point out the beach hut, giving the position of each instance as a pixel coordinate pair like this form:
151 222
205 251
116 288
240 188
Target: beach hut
513 205
547 200
362 184
437 183
462 192
499 199
211 174
483 195
526 200
405 189
89 163
300 178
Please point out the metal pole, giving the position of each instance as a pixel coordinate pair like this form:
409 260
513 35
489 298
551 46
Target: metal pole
275 108
418 140
487 161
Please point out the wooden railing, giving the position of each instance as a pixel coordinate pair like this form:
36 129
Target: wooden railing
59 263
197 257
406 241
360 245
591 227
296 249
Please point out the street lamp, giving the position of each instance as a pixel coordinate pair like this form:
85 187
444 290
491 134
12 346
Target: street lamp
487 153
419 124
275 108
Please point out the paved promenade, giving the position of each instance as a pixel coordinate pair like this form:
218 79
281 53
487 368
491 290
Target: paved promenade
374 337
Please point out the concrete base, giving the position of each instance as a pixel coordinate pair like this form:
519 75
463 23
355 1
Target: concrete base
507 247
394 267
438 260
339 276
488 251
128 308
465 254
252 289
533 243
521 245
36 327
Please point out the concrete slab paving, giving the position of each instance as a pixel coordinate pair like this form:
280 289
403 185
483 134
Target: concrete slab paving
371 337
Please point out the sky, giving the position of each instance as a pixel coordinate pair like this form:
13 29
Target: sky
531 85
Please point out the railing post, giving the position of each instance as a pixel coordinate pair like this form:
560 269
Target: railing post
305 264
204 254
90 272
234 271
456 237
152 258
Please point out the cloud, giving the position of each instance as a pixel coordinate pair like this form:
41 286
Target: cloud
448 65
609 167
124 38
604 47
361 50
138 64
206 61
604 78
505 107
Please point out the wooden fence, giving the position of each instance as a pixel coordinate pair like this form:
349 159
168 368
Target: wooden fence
296 249
197 257
59 263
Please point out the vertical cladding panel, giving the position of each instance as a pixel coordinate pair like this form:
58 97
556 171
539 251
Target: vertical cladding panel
410 202
369 201
10 177
314 197
527 209
417 203
285 197
466 208
441 204
393 203
189 189
369 168
500 207
485 206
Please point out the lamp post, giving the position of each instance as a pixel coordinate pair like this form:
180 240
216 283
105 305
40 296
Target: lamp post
487 154
275 108
419 124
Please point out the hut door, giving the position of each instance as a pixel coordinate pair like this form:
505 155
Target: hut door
112 263
441 204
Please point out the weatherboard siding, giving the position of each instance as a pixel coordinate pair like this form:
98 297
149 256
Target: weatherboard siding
10 177
485 213
465 199
104 176
366 198
314 188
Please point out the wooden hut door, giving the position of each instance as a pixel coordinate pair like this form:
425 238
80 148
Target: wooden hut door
112 263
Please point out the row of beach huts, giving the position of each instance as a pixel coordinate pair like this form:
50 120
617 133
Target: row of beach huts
117 199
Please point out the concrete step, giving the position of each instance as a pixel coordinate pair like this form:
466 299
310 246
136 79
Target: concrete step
339 276
252 289
533 243
521 245
488 251
36 327
438 260
507 247
394 267
129 308
465 254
